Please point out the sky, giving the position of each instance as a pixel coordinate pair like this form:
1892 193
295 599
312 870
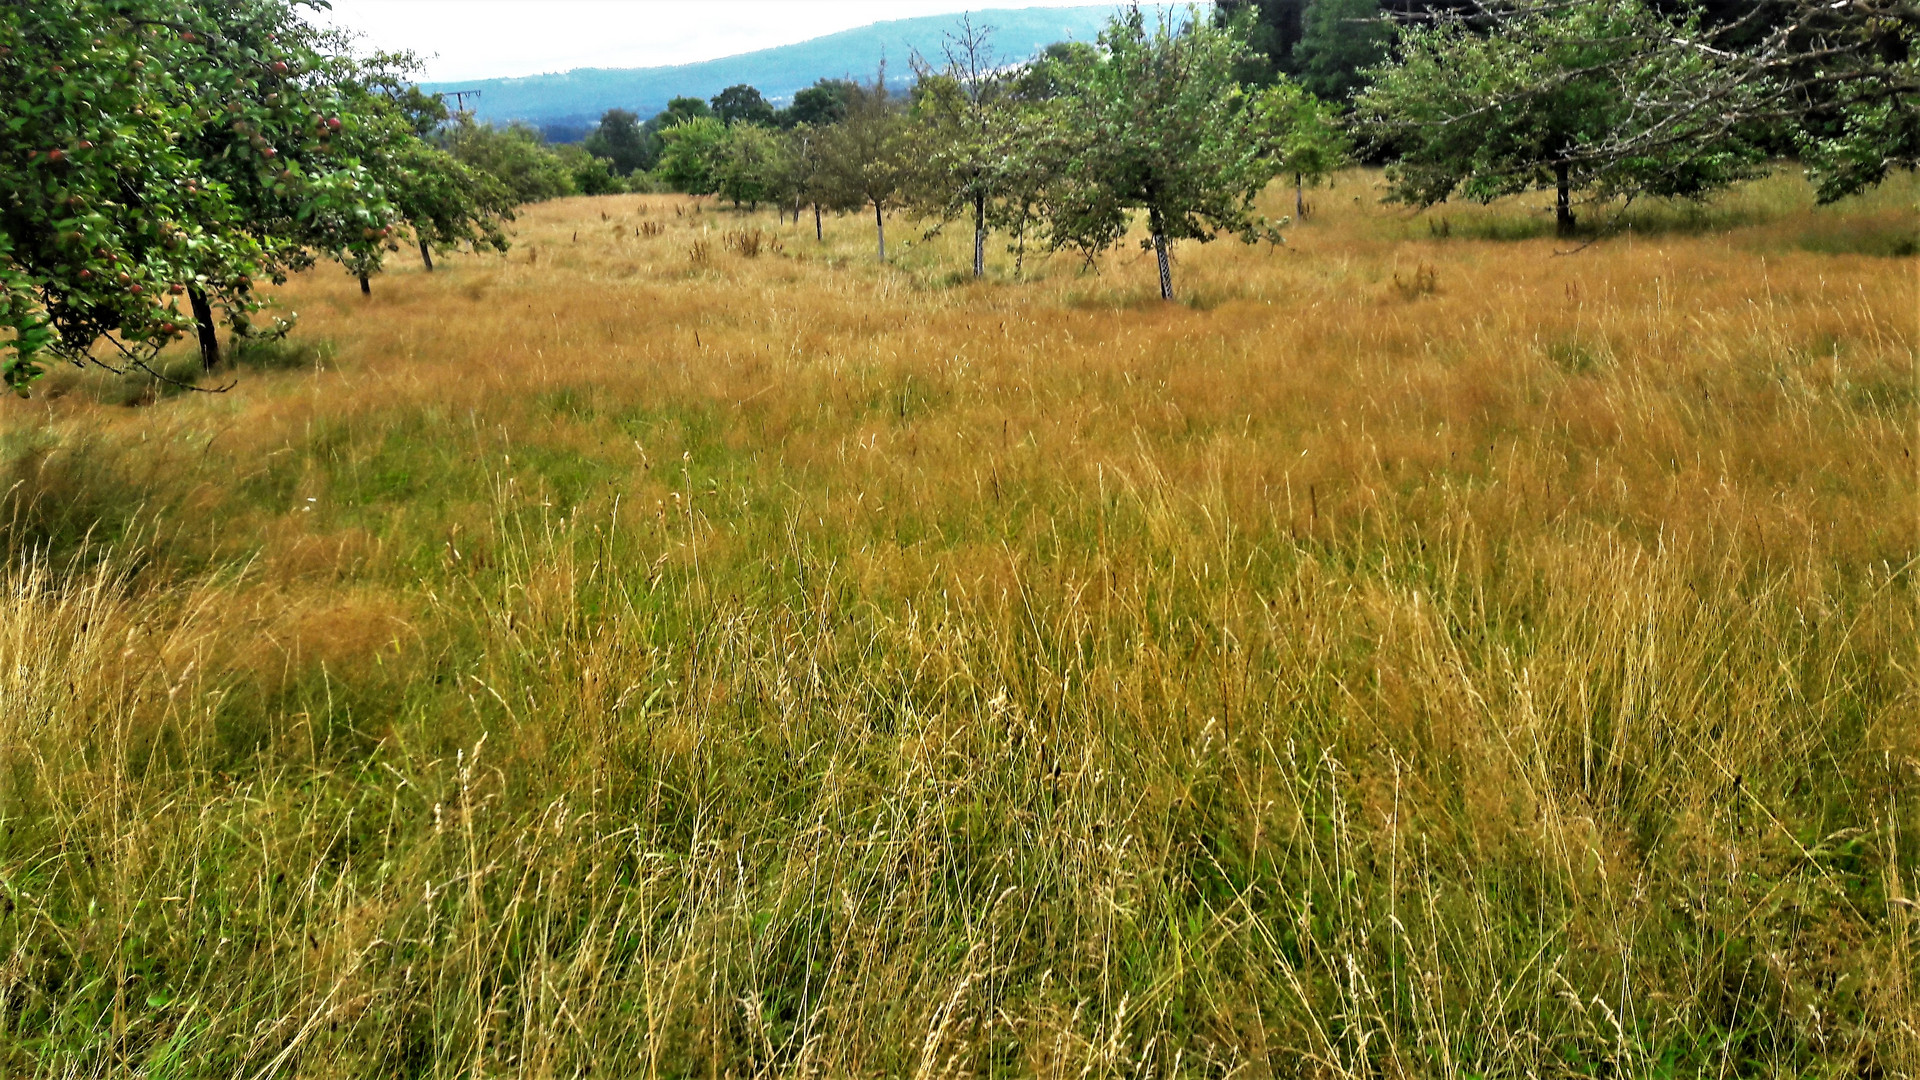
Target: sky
480 39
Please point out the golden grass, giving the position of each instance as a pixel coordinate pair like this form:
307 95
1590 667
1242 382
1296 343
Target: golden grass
1421 653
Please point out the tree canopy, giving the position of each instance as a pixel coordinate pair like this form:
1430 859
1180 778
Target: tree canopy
154 153
618 138
1156 121
1590 96
742 104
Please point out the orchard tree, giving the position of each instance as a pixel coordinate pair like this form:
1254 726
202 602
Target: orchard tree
448 204
960 134
1596 96
678 110
1306 138
863 158
802 177
1154 120
691 153
157 152
750 168
517 156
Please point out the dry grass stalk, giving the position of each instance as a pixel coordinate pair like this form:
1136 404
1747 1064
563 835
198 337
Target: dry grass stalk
997 680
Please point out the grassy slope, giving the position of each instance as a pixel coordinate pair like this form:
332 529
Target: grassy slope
1413 657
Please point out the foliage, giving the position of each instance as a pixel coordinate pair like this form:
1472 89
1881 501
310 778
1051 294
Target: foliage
1555 98
823 103
752 167
1862 117
1304 136
517 156
448 204
590 175
618 138
153 149
1339 41
1156 122
742 104
864 158
691 154
962 135
1272 29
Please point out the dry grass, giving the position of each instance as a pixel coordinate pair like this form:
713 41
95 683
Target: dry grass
1418 654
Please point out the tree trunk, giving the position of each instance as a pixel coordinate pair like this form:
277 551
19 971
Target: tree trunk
1159 226
1020 245
426 254
1563 218
880 225
979 236
1299 197
209 334
816 225
366 287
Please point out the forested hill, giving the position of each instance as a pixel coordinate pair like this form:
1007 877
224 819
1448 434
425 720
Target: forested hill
575 99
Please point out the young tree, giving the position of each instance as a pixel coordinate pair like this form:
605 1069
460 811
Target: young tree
959 134
447 204
742 103
1566 97
618 139
691 153
863 159
1306 139
751 166
1156 122
591 175
801 178
1339 41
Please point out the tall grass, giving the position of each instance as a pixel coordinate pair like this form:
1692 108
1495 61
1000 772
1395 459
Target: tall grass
797 666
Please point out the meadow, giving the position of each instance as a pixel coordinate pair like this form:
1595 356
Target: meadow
1427 650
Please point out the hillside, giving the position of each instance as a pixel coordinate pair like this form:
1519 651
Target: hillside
578 97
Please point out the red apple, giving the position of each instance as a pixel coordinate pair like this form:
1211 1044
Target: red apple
56 156
176 288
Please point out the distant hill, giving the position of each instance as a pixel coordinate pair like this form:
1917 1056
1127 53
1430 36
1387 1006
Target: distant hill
566 103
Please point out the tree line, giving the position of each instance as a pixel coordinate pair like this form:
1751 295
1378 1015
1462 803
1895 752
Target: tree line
162 157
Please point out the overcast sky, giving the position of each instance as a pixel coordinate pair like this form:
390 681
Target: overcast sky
477 39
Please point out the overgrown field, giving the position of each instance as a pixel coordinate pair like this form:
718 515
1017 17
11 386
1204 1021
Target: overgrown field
1424 653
